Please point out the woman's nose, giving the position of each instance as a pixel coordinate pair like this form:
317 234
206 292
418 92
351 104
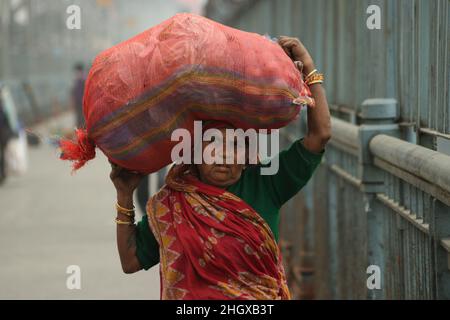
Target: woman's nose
227 154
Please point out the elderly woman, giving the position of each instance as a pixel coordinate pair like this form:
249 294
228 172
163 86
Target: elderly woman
214 227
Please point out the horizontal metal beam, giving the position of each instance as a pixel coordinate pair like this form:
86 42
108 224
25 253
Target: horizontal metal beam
445 243
427 164
426 186
342 108
346 176
434 133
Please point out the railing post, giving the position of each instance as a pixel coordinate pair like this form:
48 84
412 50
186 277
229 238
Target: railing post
375 116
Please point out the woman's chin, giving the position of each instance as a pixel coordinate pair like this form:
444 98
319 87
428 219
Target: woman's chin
221 180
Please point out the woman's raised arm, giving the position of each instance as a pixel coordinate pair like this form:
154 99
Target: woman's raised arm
319 123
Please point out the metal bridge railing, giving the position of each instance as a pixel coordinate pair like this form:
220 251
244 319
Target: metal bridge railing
389 207
376 200
417 195
355 212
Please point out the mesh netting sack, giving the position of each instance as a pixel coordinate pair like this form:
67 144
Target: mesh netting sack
186 68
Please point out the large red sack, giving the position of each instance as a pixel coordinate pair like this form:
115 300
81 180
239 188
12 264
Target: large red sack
186 68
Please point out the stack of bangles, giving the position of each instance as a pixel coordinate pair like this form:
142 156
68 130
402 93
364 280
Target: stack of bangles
127 212
314 77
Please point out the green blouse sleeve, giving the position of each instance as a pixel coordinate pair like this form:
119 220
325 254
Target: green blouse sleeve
147 248
296 167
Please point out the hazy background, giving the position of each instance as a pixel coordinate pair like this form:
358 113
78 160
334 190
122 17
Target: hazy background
50 219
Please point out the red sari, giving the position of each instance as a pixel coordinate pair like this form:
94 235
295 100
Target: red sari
213 245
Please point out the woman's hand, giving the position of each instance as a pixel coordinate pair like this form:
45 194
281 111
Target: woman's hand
295 49
124 180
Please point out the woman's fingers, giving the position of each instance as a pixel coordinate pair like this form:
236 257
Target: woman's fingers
284 38
287 39
286 48
288 52
115 170
294 48
124 173
284 43
287 44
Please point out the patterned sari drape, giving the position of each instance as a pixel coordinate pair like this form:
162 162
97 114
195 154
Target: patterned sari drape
213 245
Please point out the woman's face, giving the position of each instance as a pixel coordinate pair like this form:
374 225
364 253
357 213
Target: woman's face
226 174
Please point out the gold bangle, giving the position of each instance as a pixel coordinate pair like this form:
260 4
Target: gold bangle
128 214
314 82
124 211
311 73
118 207
315 78
121 222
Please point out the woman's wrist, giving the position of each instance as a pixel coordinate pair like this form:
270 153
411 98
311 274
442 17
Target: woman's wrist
125 199
308 67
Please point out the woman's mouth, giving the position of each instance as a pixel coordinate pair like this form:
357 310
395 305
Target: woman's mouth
222 168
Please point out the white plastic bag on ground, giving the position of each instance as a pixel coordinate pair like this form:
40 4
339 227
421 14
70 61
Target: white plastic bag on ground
16 155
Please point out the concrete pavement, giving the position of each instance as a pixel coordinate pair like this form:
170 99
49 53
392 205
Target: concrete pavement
50 219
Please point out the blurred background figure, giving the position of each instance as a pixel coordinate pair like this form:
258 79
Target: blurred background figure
5 135
13 142
77 94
